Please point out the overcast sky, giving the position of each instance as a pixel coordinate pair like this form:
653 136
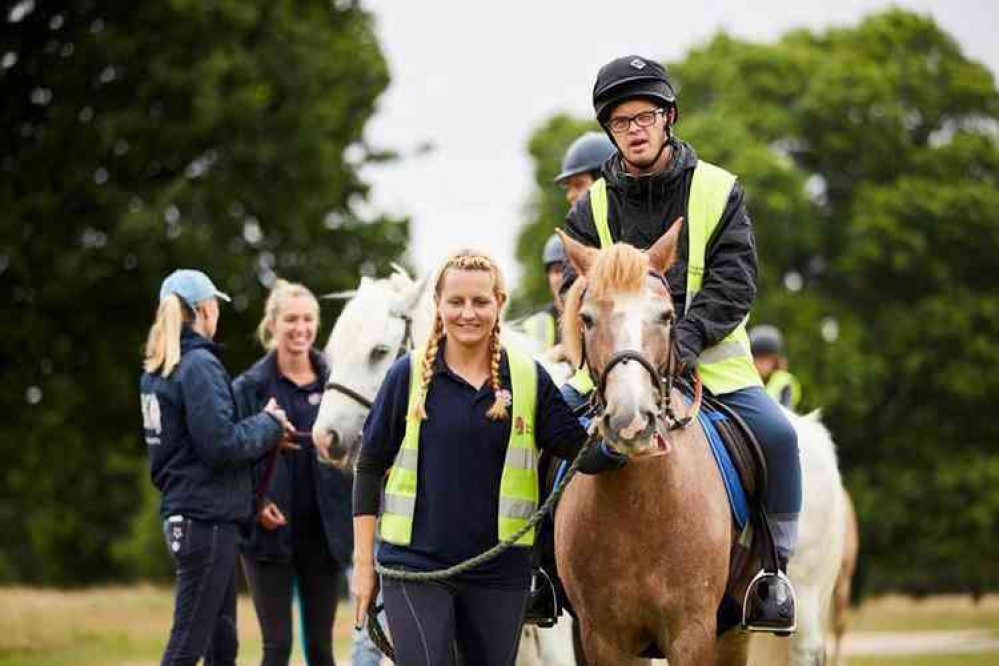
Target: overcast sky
475 77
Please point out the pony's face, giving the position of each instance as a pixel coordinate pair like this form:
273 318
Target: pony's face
367 338
621 305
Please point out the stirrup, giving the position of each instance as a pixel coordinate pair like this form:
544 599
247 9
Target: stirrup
543 607
769 604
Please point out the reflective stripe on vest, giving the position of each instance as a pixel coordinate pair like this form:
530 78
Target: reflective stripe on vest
541 327
780 380
519 484
728 365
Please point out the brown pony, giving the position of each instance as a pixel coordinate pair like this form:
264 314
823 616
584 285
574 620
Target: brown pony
644 551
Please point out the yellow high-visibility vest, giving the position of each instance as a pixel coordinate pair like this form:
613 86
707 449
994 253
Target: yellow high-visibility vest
728 365
518 498
780 380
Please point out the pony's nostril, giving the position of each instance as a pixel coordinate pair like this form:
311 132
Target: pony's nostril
334 438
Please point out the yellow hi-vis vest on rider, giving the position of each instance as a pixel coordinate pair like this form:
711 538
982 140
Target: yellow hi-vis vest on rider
518 498
785 388
728 365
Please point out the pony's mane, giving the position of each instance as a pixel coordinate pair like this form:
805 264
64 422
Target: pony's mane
619 269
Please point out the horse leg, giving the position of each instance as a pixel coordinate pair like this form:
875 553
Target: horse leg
599 652
693 644
733 649
808 646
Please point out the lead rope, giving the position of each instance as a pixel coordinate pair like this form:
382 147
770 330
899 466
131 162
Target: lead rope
375 630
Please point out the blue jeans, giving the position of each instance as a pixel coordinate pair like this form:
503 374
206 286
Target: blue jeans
204 621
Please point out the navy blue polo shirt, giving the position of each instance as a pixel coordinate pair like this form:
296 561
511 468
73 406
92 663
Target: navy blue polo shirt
460 467
301 405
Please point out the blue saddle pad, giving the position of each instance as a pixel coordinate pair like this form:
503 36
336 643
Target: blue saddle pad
730 476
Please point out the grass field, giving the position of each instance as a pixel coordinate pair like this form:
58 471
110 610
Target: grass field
128 627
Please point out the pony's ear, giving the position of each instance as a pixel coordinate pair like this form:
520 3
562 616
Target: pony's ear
411 297
580 256
662 254
339 295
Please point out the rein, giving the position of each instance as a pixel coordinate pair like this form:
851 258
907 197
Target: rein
405 346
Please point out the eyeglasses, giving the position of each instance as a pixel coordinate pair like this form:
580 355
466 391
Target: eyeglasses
621 124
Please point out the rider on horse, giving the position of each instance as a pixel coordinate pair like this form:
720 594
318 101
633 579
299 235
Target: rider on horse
768 354
654 179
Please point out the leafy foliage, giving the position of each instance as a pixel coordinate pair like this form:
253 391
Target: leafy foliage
869 155
137 138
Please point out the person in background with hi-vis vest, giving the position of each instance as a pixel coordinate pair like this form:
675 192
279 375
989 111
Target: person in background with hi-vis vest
200 457
458 427
580 169
543 325
767 345
654 181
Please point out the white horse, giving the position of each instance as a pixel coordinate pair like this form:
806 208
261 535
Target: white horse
817 562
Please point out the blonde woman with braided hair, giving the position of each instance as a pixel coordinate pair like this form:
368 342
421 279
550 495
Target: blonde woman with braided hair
458 427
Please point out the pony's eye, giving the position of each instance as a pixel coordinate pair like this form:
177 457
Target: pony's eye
586 319
666 318
378 353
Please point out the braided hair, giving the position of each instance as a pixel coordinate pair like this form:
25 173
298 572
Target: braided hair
465 260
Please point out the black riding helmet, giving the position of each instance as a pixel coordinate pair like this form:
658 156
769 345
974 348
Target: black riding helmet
631 77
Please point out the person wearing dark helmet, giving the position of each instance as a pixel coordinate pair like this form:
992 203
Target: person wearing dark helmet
656 180
581 164
767 346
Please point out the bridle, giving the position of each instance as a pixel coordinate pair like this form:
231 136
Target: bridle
405 346
663 378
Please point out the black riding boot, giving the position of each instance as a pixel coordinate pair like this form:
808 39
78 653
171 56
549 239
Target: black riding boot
770 604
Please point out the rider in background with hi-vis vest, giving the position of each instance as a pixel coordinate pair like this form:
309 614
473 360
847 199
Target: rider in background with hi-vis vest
543 325
767 346
653 181
580 169
458 426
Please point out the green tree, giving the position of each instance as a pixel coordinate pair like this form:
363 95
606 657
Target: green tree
137 138
869 155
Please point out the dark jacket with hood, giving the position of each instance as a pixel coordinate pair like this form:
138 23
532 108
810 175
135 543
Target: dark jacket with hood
200 455
333 487
641 209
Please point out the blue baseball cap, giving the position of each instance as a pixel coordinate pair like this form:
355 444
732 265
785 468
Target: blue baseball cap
192 286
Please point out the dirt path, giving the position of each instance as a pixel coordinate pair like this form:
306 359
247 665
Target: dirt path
861 643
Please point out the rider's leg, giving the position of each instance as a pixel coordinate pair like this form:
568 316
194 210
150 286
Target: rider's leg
779 441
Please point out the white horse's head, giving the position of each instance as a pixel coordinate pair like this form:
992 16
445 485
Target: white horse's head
382 321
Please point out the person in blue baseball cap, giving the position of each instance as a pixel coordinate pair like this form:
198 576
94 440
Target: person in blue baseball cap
200 459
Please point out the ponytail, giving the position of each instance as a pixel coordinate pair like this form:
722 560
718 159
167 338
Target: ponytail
163 344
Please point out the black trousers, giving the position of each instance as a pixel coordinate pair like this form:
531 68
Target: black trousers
426 620
314 575
204 620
